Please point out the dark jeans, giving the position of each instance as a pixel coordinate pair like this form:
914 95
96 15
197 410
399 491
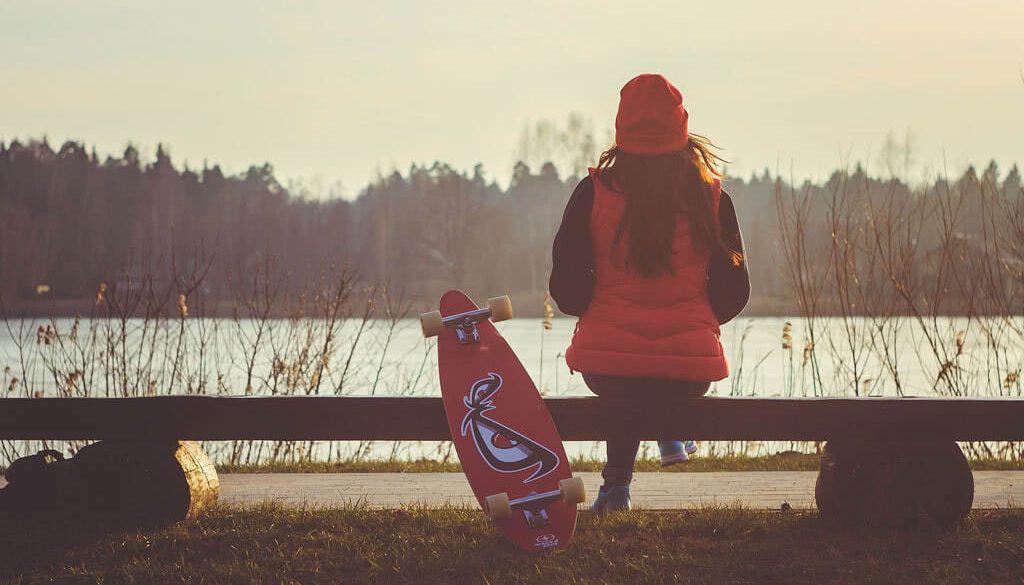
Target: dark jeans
622 451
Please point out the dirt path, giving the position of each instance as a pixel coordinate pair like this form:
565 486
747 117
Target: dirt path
763 489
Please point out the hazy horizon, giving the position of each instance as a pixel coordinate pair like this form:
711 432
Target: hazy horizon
340 91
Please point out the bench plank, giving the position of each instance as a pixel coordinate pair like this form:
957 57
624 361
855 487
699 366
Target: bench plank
216 418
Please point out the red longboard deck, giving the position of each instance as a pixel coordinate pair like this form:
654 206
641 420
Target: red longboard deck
503 433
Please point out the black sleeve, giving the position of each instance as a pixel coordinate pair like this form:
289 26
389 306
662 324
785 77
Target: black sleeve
728 277
572 254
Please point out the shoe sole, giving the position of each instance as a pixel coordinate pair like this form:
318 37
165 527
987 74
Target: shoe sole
673 459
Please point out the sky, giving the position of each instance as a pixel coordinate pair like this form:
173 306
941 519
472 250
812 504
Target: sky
341 91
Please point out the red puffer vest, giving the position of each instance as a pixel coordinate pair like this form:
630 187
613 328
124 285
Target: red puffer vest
660 327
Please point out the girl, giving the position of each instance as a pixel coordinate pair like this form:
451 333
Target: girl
649 257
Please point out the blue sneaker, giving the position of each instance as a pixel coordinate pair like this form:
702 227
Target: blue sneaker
672 452
612 499
690 447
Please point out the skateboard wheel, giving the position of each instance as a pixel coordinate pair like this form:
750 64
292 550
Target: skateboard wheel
497 507
572 490
431 324
501 308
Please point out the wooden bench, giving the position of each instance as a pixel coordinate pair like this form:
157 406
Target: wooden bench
221 418
888 460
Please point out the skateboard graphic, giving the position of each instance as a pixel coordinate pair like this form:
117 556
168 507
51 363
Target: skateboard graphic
508 444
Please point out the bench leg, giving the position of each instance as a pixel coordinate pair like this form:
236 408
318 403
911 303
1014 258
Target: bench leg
894 484
112 483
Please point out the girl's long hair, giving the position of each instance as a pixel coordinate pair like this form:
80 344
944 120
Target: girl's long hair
658 189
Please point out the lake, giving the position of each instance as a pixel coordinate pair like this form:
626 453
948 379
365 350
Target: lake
768 356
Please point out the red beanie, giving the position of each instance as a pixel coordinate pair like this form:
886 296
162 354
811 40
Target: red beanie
651 118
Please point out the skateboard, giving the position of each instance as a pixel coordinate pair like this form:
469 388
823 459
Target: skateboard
507 442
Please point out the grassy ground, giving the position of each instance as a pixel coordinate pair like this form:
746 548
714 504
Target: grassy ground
354 545
790 461
787 461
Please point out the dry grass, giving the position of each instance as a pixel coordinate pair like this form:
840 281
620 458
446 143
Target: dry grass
778 462
454 545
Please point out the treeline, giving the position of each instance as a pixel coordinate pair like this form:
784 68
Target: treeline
70 221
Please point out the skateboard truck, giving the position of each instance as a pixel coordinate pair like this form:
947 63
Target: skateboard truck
534 506
465 325
498 309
